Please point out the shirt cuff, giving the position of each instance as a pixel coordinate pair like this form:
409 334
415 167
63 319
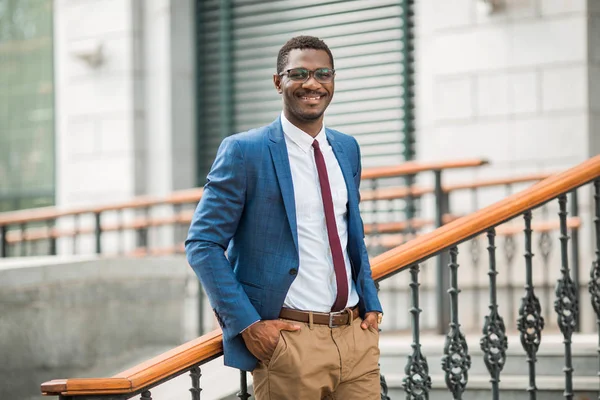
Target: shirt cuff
242 331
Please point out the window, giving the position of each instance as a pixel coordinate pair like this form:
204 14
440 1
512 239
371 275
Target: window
27 159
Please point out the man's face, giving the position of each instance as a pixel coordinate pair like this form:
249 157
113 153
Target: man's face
305 101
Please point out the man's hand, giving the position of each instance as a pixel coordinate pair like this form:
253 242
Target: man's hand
262 337
370 320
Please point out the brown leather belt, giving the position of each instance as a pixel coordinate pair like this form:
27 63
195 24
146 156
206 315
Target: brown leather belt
333 319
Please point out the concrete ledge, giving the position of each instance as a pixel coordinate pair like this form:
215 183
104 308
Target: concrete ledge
59 315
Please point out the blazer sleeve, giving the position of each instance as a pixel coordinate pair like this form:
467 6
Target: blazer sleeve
213 226
369 290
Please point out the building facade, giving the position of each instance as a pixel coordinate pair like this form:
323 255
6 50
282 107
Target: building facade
141 92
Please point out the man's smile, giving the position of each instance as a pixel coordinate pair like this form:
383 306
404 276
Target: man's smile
313 98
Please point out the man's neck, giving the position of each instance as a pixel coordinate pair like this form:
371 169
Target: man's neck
312 128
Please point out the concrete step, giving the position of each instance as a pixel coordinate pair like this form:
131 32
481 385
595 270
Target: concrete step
514 377
511 386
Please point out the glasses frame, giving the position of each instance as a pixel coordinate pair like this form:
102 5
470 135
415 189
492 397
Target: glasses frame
310 73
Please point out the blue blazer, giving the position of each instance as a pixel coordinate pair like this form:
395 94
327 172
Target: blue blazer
247 210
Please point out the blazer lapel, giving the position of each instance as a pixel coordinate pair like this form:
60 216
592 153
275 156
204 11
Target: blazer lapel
281 161
338 150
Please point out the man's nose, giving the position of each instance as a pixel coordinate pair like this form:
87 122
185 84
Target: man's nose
311 83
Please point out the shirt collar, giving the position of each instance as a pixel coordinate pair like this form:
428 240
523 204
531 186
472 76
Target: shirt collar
301 138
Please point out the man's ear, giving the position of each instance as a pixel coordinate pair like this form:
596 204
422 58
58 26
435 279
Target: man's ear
277 83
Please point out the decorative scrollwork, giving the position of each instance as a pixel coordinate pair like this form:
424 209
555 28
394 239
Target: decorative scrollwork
594 287
530 323
417 382
494 344
566 305
456 362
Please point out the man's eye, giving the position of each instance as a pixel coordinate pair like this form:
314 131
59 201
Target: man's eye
298 74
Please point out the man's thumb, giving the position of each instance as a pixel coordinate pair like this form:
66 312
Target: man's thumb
288 326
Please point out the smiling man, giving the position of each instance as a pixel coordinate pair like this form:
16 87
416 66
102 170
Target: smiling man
277 242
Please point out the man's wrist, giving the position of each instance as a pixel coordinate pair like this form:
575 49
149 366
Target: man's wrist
246 328
379 315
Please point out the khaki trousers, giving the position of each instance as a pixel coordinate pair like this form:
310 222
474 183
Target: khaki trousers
319 362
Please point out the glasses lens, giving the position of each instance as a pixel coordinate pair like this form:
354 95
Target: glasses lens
324 75
298 74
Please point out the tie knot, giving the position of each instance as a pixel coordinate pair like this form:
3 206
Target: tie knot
316 144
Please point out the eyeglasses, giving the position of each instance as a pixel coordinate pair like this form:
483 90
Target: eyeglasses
322 75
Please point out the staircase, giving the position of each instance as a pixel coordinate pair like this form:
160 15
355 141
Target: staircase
515 376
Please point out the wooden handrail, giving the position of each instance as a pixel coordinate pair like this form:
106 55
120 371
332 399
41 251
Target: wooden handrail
194 195
160 367
415 167
471 225
390 262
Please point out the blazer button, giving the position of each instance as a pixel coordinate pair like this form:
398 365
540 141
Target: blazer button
293 271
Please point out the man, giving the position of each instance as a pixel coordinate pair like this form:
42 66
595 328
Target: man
278 244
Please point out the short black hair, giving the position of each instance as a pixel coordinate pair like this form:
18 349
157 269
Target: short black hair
300 42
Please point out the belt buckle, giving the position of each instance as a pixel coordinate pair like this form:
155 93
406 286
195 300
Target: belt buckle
335 314
331 315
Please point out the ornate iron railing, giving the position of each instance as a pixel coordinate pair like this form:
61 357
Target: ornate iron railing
456 360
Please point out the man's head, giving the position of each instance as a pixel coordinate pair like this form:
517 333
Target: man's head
305 79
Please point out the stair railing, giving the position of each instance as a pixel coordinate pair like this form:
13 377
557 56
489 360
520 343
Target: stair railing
456 360
85 230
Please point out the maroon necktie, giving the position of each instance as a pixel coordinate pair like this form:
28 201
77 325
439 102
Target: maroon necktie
339 265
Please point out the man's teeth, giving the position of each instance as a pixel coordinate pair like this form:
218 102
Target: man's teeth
311 97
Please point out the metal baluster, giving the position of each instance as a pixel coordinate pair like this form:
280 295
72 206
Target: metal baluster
382 381
575 253
417 382
4 244
510 250
75 232
494 343
565 304
143 233
442 208
384 388
98 233
195 374
52 237
475 251
146 395
456 360
530 322
23 240
177 227
545 246
409 234
594 286
375 240
243 393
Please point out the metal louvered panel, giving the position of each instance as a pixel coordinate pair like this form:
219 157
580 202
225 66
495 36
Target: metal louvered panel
366 38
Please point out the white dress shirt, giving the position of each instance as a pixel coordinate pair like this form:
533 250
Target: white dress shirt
315 288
